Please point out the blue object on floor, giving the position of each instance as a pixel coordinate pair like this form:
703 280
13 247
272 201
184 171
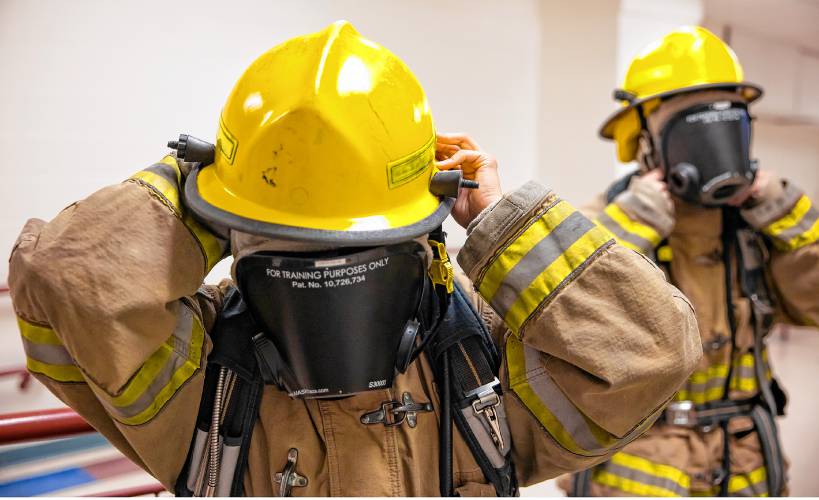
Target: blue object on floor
38 485
51 449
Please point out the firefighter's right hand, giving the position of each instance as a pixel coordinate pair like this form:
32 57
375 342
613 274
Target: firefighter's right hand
648 199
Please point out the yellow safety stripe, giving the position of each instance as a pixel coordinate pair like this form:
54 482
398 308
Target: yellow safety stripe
157 380
165 371
533 265
798 228
165 180
569 427
753 483
45 354
629 232
638 476
709 385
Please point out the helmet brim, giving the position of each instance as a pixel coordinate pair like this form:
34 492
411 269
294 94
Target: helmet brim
751 92
218 216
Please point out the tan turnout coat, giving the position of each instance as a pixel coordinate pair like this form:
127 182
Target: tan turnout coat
675 461
115 318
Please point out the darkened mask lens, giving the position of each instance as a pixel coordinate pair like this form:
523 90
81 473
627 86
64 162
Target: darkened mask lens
706 152
336 318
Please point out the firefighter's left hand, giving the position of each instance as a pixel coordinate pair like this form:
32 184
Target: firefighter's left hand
766 186
461 152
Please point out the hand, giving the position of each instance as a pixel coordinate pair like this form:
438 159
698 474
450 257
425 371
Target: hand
756 192
461 152
653 182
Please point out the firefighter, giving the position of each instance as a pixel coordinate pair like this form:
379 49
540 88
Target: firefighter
346 356
736 239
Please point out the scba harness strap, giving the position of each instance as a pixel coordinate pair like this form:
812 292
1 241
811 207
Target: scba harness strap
459 347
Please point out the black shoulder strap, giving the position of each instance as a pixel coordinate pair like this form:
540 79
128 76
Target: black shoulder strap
232 340
464 352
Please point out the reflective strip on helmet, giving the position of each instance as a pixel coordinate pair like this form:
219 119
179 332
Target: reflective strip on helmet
46 355
797 228
637 476
559 416
162 375
709 385
629 232
545 256
164 179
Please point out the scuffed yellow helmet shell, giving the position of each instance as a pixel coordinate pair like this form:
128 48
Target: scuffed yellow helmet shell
327 137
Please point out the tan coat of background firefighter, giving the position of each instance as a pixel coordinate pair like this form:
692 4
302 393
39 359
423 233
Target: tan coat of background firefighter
330 134
764 256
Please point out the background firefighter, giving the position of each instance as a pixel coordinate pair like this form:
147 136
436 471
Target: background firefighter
737 240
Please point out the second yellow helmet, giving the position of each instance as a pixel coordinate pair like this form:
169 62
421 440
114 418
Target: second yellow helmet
688 59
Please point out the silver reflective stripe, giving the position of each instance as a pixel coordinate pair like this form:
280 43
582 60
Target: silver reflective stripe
564 411
621 233
546 251
753 490
645 478
181 344
805 223
47 353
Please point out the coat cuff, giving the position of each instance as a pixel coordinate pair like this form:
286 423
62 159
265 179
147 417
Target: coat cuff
790 220
528 247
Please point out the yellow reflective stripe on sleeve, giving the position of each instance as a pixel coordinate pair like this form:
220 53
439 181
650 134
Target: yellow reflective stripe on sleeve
520 247
798 228
629 232
46 355
162 375
212 247
545 255
164 178
639 476
161 185
569 427
558 272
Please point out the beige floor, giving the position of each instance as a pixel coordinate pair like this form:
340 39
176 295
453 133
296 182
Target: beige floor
795 357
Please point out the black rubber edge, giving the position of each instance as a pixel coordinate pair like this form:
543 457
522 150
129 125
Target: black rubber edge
216 215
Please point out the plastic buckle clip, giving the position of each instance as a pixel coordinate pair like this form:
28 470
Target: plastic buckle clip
441 271
681 414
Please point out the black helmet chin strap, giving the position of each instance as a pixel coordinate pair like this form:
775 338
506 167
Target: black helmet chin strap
650 156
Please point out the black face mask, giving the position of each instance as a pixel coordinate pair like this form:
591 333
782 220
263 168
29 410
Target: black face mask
341 321
706 153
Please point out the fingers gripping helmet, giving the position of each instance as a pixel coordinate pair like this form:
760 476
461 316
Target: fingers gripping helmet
326 138
686 60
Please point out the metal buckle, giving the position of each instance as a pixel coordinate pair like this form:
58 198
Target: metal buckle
681 413
393 413
486 406
441 271
289 478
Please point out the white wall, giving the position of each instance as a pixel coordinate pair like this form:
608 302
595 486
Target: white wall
91 91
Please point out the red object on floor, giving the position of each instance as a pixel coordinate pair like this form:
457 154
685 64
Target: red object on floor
41 424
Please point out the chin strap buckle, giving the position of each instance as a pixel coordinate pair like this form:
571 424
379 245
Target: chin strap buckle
441 271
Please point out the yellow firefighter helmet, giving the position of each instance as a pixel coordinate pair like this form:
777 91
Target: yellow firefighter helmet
326 138
686 60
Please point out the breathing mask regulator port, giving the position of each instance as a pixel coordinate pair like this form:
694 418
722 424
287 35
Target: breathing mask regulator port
448 183
189 148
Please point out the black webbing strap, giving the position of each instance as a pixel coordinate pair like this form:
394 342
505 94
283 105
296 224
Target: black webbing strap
466 362
231 336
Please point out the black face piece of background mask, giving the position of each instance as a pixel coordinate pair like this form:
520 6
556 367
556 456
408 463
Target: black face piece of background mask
335 317
706 152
